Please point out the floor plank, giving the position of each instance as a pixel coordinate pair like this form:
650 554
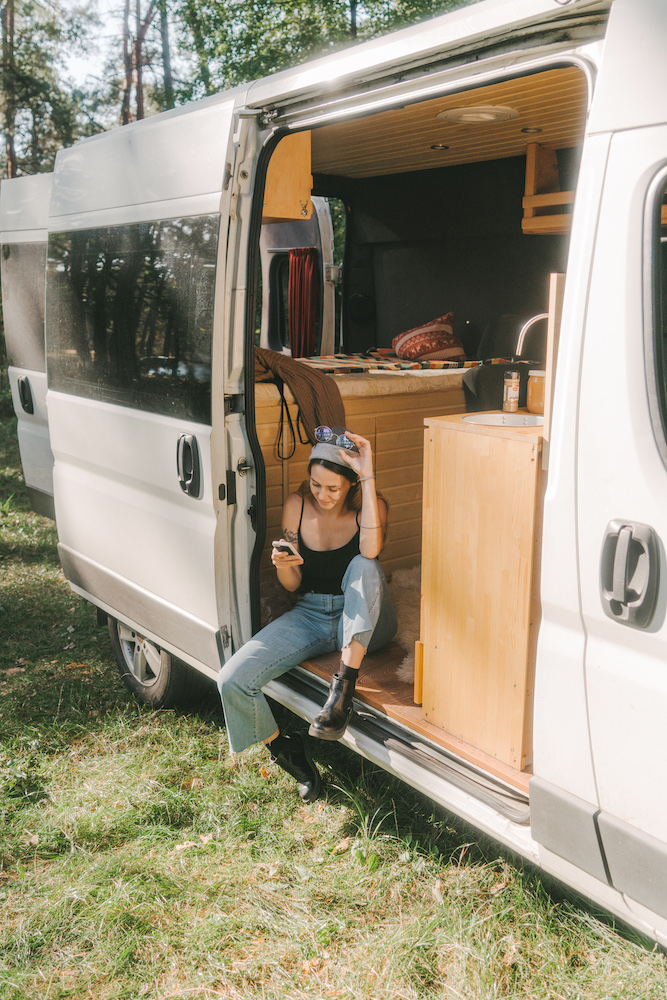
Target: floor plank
379 687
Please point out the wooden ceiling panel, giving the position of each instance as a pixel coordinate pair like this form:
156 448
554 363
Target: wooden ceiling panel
400 140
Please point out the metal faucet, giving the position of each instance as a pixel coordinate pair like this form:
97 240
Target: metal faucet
524 330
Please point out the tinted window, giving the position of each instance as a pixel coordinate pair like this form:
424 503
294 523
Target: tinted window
23 267
130 314
279 302
656 341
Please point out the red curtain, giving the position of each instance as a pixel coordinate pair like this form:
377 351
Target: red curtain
303 301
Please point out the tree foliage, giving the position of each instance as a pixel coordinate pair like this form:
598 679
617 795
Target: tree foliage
39 114
233 41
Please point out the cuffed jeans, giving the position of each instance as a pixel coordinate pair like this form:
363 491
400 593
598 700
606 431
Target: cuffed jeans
319 623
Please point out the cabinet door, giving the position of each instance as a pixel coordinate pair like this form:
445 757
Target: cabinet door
479 606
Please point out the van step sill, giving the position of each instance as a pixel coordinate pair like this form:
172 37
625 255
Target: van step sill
510 802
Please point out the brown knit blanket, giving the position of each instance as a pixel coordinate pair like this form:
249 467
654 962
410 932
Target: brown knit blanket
317 396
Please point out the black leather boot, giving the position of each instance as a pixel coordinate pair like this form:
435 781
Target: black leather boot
295 758
331 721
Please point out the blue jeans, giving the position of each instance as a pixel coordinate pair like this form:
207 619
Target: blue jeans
319 623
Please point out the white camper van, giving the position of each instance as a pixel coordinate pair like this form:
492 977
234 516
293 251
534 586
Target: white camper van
506 163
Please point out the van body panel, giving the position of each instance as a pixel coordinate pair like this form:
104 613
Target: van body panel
185 635
621 475
141 169
560 683
33 430
119 503
450 35
634 54
24 207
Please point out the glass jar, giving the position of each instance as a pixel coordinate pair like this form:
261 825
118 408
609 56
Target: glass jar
511 392
535 394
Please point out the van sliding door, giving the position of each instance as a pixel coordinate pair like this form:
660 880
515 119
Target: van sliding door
136 367
622 463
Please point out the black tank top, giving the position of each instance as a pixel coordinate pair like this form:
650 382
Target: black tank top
323 571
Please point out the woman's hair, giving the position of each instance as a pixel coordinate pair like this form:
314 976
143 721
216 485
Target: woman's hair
353 499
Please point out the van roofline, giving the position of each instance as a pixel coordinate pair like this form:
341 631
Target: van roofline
446 35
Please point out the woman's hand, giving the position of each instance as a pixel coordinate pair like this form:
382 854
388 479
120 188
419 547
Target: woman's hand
362 463
282 560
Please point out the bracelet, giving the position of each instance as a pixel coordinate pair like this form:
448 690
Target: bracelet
365 479
371 527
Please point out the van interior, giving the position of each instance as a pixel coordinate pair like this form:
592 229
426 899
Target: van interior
460 203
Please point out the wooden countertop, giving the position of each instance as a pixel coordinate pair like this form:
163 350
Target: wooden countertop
455 422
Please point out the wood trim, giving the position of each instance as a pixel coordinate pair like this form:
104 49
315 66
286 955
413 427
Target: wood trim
556 295
548 200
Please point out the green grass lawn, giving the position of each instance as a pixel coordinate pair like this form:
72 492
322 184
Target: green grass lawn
137 860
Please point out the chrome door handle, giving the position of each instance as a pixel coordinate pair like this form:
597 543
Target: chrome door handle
629 572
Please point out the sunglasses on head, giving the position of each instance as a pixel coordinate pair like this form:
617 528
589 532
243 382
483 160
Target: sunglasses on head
334 435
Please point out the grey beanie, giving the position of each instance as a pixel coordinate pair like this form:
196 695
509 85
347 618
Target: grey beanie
330 452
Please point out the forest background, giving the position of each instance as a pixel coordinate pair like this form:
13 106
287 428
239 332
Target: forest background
72 68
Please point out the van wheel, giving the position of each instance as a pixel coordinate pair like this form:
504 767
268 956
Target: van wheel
151 674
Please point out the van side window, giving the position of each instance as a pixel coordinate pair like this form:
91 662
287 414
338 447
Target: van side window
23 303
130 314
656 333
279 302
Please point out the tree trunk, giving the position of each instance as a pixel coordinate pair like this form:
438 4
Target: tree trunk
125 116
138 64
166 57
353 18
8 86
192 18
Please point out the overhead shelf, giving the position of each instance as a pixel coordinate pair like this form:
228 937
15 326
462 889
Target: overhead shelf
543 194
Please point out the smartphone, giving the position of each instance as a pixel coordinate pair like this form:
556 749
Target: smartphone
283 546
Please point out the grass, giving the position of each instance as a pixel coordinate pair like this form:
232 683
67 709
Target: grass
138 860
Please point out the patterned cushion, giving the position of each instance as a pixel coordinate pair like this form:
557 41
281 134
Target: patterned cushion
434 341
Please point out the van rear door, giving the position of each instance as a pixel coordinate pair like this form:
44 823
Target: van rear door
137 364
622 461
24 209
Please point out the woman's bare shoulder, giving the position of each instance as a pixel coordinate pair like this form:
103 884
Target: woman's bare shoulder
293 504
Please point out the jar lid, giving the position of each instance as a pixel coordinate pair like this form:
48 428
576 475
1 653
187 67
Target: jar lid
512 374
537 371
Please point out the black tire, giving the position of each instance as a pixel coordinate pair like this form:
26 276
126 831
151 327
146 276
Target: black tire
152 675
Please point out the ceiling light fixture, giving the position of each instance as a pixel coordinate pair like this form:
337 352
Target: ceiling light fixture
439 145
481 114
531 131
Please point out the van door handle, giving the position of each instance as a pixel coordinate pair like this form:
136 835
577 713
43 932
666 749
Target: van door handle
25 394
188 464
629 572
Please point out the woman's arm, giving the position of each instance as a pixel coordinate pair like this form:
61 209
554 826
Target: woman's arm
288 566
372 521
373 518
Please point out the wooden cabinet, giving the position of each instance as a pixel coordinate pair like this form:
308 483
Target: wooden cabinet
480 600
289 181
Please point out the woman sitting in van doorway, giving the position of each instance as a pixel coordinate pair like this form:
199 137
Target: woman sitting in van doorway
335 527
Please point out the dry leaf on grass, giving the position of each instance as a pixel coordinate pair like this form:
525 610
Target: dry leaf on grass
190 783
342 846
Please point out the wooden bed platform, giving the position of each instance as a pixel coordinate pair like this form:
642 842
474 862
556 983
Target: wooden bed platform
378 687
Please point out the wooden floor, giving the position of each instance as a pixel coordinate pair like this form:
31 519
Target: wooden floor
379 687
